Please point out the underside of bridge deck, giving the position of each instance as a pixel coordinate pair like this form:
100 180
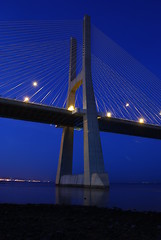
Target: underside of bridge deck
61 117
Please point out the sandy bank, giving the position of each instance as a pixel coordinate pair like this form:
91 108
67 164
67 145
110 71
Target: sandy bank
76 222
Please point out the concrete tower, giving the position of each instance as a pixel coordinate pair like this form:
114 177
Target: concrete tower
94 173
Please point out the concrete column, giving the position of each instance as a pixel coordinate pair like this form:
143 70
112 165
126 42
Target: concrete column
65 163
94 173
72 72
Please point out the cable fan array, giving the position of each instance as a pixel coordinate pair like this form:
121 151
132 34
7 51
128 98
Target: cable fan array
34 62
34 67
124 88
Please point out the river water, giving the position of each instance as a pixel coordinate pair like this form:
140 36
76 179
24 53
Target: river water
140 197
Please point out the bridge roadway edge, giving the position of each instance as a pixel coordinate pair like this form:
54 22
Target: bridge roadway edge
32 112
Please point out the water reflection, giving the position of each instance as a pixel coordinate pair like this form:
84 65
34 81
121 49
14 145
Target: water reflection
142 197
81 196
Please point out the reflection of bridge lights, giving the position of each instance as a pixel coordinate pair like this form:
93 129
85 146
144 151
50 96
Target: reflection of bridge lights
26 99
34 84
127 105
141 120
109 114
71 108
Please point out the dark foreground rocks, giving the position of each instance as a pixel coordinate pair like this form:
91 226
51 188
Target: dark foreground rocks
76 222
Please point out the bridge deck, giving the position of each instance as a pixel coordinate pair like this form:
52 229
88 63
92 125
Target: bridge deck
58 116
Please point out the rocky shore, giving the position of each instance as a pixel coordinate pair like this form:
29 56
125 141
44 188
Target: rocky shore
76 222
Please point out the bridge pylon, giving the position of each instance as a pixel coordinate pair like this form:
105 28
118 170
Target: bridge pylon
94 171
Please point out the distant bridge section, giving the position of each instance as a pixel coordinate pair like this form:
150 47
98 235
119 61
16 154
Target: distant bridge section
62 117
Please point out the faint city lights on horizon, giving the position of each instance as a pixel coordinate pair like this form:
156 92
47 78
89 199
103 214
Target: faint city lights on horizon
141 120
26 99
20 180
127 104
71 108
35 84
108 114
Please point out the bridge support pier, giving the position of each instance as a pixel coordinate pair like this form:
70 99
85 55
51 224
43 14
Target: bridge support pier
94 172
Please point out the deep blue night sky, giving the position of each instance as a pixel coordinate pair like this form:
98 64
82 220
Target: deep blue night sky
31 150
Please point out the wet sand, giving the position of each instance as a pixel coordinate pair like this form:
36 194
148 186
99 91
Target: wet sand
76 222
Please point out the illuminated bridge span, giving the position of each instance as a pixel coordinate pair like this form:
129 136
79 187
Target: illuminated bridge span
61 117
105 89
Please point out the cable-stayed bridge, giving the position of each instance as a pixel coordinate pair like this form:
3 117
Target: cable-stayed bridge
86 82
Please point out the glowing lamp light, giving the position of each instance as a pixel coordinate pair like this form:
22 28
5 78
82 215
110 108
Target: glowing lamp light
26 99
109 114
160 113
127 104
34 84
71 108
141 120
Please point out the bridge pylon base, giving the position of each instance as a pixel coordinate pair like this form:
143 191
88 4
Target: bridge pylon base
98 180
